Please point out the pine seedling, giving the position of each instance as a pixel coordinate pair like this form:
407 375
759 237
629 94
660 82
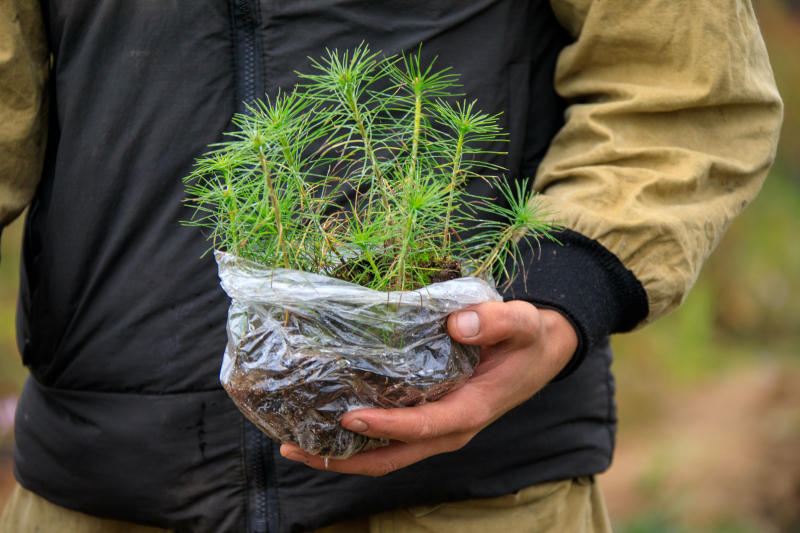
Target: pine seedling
359 172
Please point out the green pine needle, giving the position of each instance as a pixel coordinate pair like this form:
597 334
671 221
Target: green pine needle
357 173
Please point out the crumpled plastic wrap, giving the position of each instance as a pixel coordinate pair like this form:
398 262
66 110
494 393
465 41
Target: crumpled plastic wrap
304 349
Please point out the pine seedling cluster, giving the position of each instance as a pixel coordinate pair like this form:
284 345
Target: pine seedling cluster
358 173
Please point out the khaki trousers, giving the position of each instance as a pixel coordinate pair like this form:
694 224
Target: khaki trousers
572 506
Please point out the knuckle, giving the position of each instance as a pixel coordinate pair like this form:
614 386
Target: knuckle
477 418
502 322
383 468
526 318
456 442
424 429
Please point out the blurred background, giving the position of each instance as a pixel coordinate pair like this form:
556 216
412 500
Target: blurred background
709 397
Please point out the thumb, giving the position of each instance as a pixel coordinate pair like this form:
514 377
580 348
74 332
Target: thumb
494 322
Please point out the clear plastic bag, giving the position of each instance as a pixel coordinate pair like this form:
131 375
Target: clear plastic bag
304 349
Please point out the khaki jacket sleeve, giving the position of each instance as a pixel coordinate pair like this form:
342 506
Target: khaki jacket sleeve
24 66
672 126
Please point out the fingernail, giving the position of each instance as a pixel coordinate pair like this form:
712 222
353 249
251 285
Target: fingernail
359 426
468 324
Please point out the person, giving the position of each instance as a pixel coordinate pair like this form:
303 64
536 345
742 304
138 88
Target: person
648 127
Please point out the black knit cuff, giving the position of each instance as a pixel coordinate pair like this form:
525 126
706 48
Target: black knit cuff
585 282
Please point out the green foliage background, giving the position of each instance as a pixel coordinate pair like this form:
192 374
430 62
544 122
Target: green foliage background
743 314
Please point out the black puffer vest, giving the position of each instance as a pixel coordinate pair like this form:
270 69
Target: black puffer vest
122 323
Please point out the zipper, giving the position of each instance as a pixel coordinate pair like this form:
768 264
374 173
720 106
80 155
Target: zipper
246 19
258 466
262 508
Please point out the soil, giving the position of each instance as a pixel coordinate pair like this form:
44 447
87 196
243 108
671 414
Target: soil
296 378
448 270
359 272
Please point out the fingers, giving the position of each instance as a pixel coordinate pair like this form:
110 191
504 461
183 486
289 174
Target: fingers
462 411
416 433
375 462
474 405
495 322
512 335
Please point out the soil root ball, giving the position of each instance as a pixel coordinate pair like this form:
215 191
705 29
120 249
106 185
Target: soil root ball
304 349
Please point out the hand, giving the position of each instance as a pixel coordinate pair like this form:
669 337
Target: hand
523 348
